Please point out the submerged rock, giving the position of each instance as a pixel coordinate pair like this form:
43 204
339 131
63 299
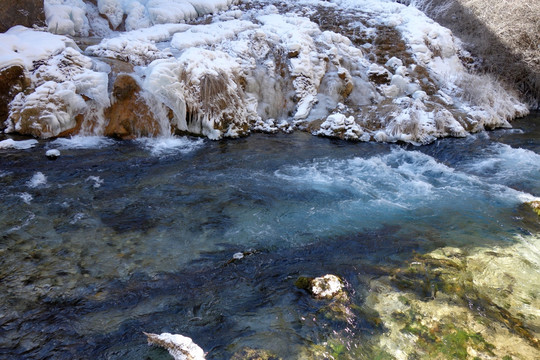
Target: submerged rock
179 346
254 354
535 205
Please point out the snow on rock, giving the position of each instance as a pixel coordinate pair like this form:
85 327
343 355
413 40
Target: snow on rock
77 17
179 346
256 67
327 286
137 47
23 46
339 125
64 86
52 154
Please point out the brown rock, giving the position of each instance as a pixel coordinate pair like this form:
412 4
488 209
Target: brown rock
21 12
12 81
129 116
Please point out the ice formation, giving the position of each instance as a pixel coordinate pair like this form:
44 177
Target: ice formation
179 346
357 70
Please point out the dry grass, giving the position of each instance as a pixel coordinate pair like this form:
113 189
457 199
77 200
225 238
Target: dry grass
504 33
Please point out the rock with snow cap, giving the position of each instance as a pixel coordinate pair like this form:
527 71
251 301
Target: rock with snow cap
179 346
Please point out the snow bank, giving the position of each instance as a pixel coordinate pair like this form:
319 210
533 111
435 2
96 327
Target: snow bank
137 47
23 46
71 17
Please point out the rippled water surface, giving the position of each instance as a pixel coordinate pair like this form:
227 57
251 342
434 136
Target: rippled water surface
116 238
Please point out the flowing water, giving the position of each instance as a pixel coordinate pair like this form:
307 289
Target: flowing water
116 238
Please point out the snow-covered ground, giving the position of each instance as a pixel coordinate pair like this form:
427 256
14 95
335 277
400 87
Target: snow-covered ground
360 70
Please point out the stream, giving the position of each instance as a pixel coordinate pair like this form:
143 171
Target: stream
119 237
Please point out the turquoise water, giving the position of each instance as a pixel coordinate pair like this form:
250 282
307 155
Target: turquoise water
116 238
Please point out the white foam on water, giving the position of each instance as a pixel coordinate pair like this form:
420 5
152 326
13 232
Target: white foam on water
96 180
83 142
37 180
26 222
162 146
26 197
19 145
400 179
502 162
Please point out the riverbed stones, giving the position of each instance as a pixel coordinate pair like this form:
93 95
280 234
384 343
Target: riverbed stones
254 354
179 346
535 205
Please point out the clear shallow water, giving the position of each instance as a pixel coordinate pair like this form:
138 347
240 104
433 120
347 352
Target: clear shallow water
116 238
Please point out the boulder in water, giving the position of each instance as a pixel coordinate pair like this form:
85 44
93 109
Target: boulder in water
324 287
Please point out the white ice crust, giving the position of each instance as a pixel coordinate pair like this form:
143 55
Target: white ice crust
255 70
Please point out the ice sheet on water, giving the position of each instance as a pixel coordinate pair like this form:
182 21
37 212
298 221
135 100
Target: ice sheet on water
82 142
163 146
20 145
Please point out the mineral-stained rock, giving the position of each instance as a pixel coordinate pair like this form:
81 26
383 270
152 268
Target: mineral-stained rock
12 81
535 205
129 115
21 12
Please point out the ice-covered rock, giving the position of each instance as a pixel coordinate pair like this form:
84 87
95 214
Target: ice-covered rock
64 90
179 346
202 88
52 154
324 287
344 127
21 144
399 74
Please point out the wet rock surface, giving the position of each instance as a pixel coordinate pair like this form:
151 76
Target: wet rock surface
129 116
21 12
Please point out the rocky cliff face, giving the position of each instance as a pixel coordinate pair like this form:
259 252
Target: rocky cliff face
21 12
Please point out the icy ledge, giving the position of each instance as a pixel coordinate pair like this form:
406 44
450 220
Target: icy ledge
372 71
